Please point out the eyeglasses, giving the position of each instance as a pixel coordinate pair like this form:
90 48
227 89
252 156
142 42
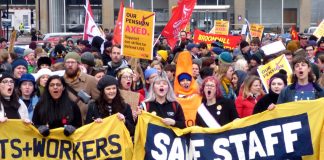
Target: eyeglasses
7 82
55 84
127 77
210 86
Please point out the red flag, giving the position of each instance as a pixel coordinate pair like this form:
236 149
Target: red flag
119 24
293 32
90 28
180 17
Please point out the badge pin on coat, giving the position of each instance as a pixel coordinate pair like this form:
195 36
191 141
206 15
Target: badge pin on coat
219 108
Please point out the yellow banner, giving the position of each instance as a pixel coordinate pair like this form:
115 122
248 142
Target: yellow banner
256 30
291 131
138 33
221 27
109 139
273 67
319 32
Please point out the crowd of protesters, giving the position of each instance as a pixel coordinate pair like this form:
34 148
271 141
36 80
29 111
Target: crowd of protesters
70 83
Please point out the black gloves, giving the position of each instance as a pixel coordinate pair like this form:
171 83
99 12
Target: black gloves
68 130
44 130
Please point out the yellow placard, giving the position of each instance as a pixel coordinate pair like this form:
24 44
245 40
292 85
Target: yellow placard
107 140
221 27
268 70
138 33
319 32
256 30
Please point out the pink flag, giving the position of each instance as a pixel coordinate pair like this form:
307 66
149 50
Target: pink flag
90 27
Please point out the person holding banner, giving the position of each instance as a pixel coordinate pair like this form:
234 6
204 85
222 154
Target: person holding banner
55 109
110 102
214 111
11 107
303 86
162 102
277 82
251 92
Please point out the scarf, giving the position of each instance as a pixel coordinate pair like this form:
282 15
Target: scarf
226 83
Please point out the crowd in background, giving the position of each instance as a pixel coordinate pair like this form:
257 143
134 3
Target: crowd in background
71 82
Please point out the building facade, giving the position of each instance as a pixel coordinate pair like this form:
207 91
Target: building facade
68 15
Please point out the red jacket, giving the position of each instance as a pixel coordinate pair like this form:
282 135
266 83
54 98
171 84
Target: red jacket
245 106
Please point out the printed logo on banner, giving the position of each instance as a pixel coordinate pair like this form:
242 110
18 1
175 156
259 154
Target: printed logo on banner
282 138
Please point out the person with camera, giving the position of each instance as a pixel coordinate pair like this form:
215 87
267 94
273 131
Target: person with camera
55 109
81 86
110 102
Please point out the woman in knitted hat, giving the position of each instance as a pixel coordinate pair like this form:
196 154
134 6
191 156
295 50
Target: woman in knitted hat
55 109
19 67
29 56
11 107
41 78
26 91
110 102
215 110
277 82
225 74
162 102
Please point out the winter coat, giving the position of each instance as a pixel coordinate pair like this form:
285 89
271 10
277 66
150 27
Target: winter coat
265 101
245 106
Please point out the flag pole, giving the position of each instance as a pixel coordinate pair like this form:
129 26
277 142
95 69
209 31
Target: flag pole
157 40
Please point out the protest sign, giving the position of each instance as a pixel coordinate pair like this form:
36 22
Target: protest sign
268 70
230 42
221 27
131 98
256 30
138 33
291 131
272 48
109 139
319 32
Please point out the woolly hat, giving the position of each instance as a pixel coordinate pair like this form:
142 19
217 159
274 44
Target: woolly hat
183 76
73 55
225 57
41 72
28 51
191 46
19 61
217 50
5 75
149 72
163 54
88 58
282 74
44 60
217 44
27 77
244 44
105 81
256 58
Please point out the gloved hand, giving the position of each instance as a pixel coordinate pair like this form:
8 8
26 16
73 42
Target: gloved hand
68 130
44 130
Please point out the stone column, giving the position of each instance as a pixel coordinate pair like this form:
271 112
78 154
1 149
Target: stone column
42 19
305 9
239 10
108 14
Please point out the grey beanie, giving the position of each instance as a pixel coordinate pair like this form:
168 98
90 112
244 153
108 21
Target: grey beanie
88 58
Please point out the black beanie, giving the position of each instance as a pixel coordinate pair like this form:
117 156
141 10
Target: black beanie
244 44
282 74
5 75
256 58
105 81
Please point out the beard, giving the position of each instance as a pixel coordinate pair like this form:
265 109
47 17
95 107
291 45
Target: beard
71 73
